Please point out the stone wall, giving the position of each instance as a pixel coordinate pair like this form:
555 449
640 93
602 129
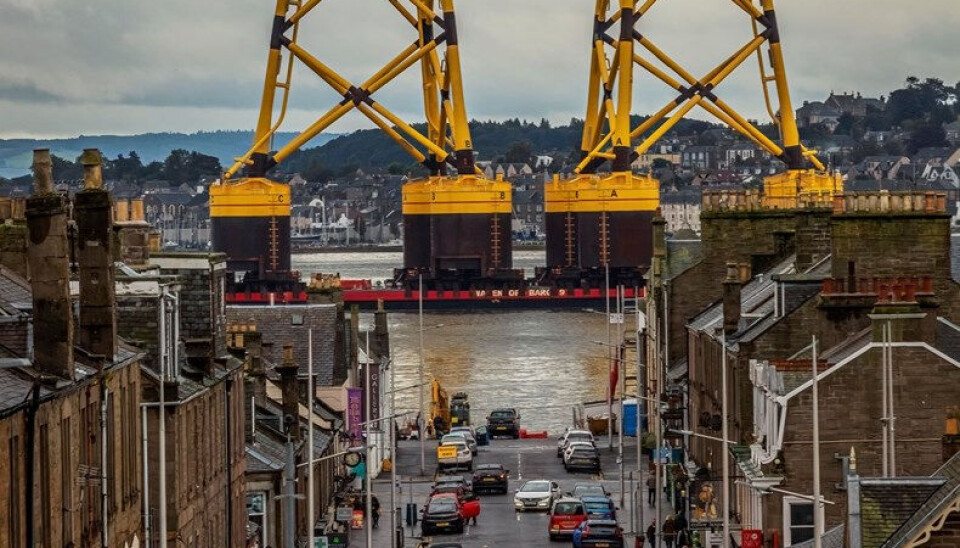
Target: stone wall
199 478
13 247
752 237
877 238
68 440
850 411
202 299
138 322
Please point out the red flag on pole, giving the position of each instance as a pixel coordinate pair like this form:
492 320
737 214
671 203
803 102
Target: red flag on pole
615 374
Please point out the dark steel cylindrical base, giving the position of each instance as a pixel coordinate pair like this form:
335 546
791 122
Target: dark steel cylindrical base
458 241
251 243
628 238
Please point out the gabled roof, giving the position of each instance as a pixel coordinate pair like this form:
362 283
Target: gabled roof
886 503
946 495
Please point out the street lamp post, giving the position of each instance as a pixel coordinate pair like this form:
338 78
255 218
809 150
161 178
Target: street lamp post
606 299
726 437
368 433
420 418
641 345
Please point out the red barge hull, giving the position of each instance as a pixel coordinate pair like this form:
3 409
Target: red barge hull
489 299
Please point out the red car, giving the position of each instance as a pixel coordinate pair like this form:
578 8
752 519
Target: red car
566 515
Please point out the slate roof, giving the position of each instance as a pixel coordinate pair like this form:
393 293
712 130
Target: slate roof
941 498
834 538
265 454
15 389
14 289
886 503
756 298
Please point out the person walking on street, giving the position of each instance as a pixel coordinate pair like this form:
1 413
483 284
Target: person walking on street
669 532
651 490
680 523
375 508
652 534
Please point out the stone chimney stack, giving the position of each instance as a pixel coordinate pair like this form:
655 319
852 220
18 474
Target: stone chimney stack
255 380
252 343
291 392
49 265
92 211
732 288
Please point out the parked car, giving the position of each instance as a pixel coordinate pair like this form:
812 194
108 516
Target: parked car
573 445
571 436
599 507
589 488
442 513
598 533
504 422
566 515
536 495
441 481
454 453
483 437
582 458
491 477
471 441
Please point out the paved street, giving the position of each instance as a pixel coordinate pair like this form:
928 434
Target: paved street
499 524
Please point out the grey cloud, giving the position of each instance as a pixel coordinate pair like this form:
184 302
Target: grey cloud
142 63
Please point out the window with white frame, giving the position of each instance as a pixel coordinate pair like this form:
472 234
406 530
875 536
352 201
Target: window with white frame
257 513
797 520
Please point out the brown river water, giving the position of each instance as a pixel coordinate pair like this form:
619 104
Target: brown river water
539 361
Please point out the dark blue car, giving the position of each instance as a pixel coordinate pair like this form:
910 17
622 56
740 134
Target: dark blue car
599 508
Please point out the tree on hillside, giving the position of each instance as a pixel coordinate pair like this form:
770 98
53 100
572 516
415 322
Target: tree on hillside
519 153
189 167
661 163
918 101
928 135
65 170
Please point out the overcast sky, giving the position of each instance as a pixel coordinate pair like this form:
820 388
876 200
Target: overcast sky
70 67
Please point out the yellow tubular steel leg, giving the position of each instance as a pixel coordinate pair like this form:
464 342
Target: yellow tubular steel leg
624 58
459 123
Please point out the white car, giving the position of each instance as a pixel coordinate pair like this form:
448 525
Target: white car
454 453
571 436
466 436
536 495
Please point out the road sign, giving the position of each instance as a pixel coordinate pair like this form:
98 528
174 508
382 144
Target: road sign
344 513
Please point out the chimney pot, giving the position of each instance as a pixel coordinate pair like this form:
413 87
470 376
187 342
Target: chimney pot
42 171
92 170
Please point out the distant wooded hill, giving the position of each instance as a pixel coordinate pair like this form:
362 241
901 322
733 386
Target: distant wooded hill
16 154
508 141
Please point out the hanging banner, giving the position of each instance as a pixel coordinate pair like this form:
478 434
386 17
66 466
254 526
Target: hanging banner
706 501
355 413
374 394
